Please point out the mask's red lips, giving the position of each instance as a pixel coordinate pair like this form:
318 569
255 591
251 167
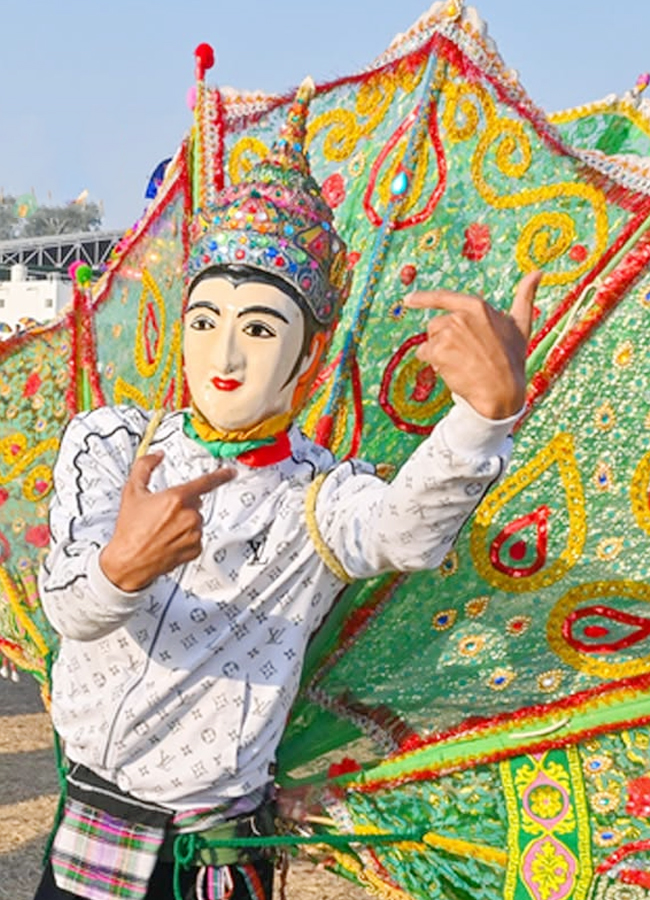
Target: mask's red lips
226 384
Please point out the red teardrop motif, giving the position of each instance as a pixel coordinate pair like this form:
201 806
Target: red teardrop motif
538 519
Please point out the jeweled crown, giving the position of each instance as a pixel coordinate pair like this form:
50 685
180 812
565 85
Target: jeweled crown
275 219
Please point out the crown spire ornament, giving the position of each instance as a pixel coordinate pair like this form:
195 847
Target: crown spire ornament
275 219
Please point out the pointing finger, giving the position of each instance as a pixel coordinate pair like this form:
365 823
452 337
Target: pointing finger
204 484
522 306
447 300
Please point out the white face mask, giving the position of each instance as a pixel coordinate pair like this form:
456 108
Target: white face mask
241 345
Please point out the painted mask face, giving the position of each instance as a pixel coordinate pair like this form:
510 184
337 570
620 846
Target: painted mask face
241 345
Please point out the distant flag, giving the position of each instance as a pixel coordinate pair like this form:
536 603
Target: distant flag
156 179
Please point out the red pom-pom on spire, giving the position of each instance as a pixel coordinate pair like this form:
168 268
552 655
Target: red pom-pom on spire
204 60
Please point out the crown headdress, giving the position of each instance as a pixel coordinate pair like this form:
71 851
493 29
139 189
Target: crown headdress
275 219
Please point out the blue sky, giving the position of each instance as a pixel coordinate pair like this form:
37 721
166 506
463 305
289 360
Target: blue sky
93 94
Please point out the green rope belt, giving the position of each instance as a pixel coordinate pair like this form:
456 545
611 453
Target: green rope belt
186 845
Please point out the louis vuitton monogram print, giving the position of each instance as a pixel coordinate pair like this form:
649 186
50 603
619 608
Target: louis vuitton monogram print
179 693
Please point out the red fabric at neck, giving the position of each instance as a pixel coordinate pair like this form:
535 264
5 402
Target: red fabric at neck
269 453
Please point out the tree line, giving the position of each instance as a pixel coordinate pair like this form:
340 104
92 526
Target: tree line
23 217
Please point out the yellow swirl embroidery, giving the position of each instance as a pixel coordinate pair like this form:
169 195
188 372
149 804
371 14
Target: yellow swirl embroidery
341 141
167 362
244 155
504 144
14 453
127 393
625 110
149 289
34 491
374 99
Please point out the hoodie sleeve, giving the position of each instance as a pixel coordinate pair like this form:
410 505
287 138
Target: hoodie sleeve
362 526
95 457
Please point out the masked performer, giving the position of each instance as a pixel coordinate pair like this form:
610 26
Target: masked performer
185 584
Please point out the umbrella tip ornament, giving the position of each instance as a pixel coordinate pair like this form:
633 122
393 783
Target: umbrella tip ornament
204 60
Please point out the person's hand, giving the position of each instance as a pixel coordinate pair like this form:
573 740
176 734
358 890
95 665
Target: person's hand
479 352
298 804
155 532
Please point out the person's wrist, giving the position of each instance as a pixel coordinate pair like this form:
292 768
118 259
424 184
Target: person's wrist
121 571
496 409
498 406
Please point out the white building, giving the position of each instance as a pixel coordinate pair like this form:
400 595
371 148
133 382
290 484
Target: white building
25 298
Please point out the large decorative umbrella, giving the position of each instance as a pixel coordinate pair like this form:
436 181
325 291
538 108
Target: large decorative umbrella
491 717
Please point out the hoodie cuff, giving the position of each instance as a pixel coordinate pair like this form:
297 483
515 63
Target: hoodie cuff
469 435
113 597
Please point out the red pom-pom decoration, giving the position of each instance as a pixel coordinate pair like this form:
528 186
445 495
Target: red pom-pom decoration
204 59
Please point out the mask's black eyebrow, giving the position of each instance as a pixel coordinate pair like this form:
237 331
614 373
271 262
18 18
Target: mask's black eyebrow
265 310
195 304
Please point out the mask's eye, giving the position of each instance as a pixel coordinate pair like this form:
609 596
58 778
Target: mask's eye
258 329
202 323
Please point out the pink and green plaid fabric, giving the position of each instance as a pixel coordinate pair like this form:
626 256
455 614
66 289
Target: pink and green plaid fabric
100 856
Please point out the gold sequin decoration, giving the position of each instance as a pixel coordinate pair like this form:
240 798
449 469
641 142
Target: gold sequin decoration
609 548
444 620
449 565
501 678
624 355
476 607
603 477
343 135
550 680
374 99
429 241
559 452
605 417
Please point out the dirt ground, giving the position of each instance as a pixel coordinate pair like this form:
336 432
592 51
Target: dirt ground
28 796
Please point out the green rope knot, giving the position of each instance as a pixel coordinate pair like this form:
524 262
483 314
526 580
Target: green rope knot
185 846
184 852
